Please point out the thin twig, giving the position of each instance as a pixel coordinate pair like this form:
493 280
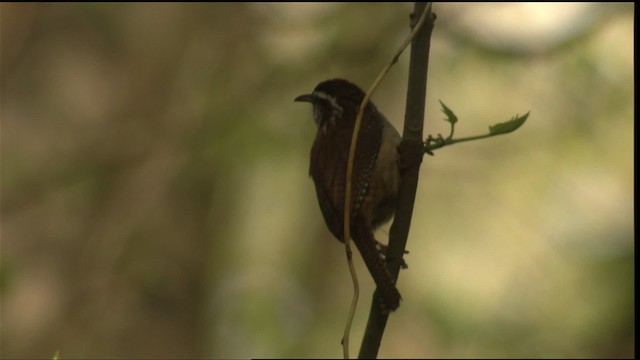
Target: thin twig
494 130
412 135
352 151
354 300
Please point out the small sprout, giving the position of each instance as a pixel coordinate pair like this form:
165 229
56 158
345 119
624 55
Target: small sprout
498 129
508 126
451 117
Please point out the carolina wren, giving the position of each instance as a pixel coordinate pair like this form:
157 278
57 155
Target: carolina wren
375 179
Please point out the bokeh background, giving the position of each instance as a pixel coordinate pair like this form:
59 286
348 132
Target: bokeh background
155 201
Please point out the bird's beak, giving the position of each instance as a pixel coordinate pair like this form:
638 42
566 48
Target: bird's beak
306 98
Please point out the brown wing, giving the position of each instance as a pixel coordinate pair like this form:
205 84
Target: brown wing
369 141
328 170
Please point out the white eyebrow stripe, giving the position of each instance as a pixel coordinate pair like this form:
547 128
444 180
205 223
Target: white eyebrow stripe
337 109
327 97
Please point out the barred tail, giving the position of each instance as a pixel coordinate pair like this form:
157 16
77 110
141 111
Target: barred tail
366 244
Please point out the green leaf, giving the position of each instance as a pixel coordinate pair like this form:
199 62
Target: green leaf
508 126
451 117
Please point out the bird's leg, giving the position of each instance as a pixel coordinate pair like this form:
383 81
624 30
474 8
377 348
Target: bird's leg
383 250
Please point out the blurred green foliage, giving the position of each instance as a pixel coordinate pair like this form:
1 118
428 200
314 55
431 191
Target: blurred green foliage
155 200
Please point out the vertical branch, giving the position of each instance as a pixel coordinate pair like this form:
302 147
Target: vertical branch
412 138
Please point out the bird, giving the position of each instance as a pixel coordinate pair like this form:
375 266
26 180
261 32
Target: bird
375 178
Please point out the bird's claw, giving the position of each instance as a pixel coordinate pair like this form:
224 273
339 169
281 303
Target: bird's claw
382 248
